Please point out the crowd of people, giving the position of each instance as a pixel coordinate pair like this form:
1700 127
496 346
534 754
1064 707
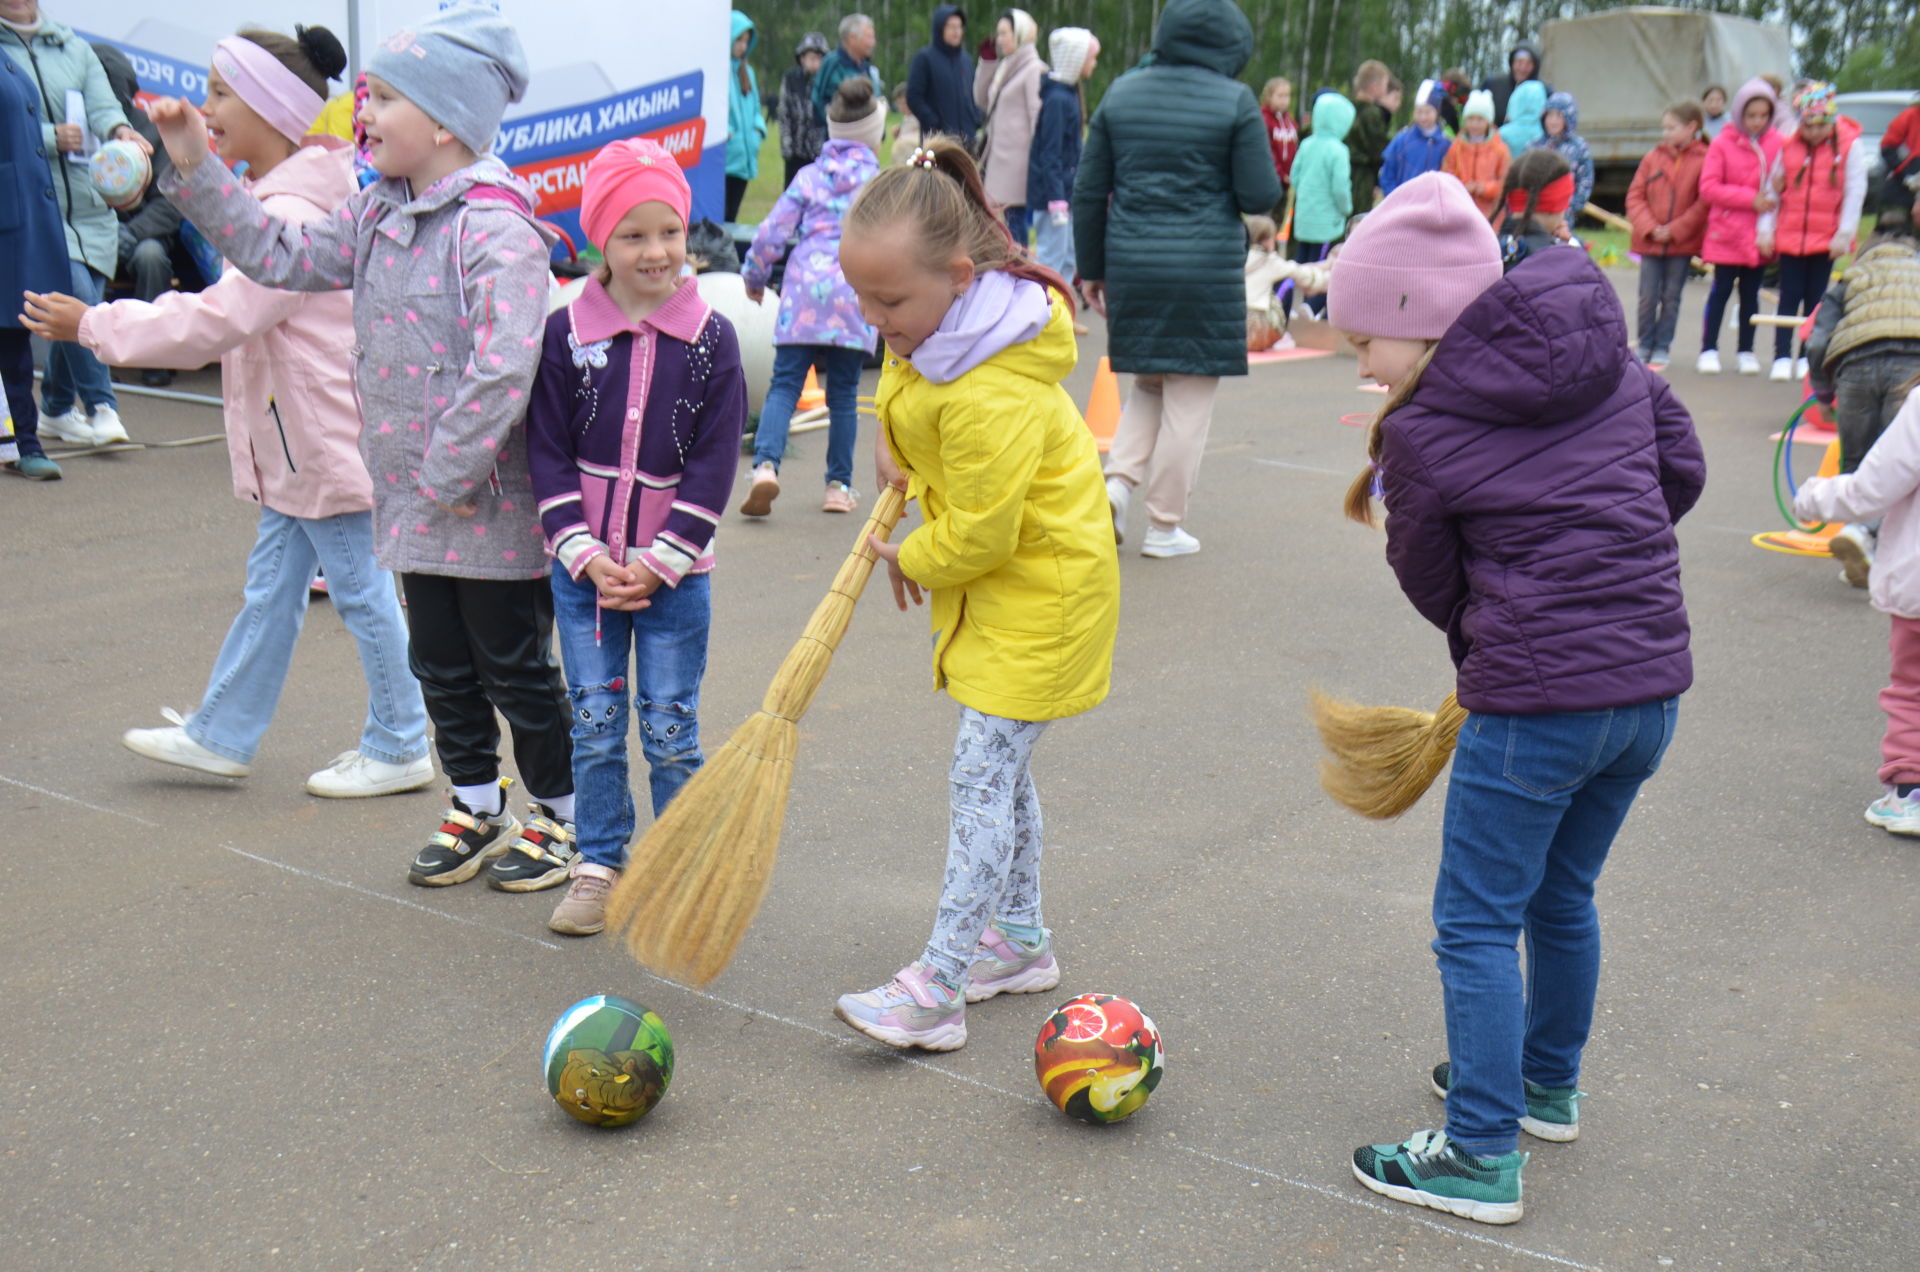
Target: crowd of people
535 478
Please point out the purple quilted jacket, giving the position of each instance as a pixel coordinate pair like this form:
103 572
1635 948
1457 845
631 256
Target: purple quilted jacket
1531 485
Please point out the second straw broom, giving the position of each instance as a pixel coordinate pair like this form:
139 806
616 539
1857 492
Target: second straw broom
694 882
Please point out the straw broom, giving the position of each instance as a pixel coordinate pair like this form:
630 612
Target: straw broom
694 881
1381 760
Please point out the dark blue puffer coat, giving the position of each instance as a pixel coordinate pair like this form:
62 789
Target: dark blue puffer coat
33 242
1531 483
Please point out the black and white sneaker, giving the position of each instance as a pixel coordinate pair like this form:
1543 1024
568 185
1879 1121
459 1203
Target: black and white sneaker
465 842
538 858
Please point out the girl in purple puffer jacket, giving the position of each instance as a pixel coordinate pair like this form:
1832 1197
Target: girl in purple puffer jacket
1530 517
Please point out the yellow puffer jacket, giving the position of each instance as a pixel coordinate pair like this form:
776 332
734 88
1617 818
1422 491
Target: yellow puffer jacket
1018 542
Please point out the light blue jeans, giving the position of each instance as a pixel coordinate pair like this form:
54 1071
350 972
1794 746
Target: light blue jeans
72 370
1532 808
1053 245
251 670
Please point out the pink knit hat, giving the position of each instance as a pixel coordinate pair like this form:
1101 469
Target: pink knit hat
1415 263
624 175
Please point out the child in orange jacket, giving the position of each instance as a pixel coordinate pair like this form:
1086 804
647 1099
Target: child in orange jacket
1478 157
1669 225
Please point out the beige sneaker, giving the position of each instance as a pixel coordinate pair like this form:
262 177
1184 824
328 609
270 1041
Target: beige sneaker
583 911
840 498
765 489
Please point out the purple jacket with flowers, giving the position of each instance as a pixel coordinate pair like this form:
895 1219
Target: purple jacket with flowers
1531 483
816 305
633 432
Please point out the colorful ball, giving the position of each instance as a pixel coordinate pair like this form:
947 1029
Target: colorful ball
608 1060
1098 1058
121 171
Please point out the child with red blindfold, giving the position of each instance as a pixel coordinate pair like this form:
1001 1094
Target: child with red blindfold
1539 189
633 435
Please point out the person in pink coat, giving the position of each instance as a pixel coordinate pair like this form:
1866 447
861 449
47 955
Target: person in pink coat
1735 184
292 433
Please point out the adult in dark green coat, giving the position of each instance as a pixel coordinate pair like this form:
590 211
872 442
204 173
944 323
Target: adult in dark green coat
1175 154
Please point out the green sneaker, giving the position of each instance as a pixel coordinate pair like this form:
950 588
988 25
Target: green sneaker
1428 1170
1553 1113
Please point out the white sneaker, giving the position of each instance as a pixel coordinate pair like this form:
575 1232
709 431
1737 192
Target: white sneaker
71 427
1782 370
354 775
1709 363
1171 542
1853 549
173 746
1799 368
1118 496
1747 364
107 426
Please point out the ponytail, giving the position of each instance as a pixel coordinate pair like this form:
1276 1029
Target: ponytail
939 192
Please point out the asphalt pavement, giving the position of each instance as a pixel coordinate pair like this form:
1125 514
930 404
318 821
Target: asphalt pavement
237 1038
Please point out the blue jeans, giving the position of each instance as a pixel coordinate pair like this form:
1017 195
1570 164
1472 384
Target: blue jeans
790 365
1532 809
251 670
664 647
1662 279
72 370
1019 222
1053 245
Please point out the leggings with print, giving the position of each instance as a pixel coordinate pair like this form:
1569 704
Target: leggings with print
993 846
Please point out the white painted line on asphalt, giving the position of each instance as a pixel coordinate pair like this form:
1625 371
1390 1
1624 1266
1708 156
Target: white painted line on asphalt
1299 468
1398 1212
1402 1213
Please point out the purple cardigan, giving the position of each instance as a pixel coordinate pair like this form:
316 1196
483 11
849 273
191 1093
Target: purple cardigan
1531 485
653 408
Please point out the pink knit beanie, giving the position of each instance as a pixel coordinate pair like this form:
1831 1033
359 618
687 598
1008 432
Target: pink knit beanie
1415 263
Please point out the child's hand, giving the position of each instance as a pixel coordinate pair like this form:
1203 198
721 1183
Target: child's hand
1765 244
125 133
1661 234
53 316
1841 245
885 471
621 587
1096 291
756 294
69 139
1764 202
903 587
183 129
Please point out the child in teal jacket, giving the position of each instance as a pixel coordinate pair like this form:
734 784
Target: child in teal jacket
1322 185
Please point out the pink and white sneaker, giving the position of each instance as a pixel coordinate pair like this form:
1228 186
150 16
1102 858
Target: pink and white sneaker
1003 965
911 1010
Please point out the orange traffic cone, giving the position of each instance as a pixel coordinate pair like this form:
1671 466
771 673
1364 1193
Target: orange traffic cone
1103 407
812 397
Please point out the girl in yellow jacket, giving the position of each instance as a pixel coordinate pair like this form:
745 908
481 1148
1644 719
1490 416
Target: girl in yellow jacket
1016 551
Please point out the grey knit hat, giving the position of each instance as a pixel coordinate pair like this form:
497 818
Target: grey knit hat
463 67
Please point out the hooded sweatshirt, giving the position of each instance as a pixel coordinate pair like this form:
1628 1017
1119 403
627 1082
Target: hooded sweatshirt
449 297
293 431
940 83
1572 147
1413 152
1016 543
1524 108
1530 513
1322 175
746 121
816 305
1502 86
1736 168
1007 91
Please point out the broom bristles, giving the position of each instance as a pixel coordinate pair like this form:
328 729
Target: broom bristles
1381 760
694 882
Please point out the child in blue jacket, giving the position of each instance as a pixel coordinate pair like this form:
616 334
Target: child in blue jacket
1055 155
1422 145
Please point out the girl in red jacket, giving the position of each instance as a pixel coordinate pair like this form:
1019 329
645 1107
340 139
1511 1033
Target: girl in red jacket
1820 177
1283 130
1669 224
1734 184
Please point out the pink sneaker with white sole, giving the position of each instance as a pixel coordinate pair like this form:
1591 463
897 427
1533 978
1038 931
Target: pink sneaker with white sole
911 1010
1003 965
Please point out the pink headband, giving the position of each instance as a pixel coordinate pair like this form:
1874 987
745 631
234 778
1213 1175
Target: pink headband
268 88
624 175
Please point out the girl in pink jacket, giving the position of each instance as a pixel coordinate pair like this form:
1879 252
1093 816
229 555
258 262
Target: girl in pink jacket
292 434
1735 185
1887 486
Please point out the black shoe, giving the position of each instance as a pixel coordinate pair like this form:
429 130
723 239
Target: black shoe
538 858
464 843
155 378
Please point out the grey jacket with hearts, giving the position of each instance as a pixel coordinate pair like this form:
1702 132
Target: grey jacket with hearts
449 304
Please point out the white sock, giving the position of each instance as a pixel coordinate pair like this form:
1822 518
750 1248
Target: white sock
562 805
487 800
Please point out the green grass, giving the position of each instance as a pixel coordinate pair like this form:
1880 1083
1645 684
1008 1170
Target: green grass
764 190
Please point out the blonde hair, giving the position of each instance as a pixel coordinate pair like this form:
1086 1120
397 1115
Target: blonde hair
1371 75
1278 81
938 192
1359 502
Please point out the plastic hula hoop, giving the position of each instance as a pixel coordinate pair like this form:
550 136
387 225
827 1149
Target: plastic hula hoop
1783 466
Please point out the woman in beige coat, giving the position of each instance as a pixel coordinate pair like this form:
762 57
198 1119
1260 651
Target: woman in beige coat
1006 88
